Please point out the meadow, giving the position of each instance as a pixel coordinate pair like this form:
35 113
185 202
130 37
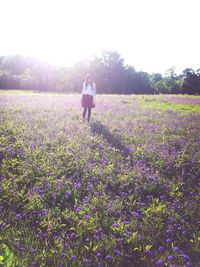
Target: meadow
121 191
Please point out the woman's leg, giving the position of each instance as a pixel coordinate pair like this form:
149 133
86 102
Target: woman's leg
84 112
89 114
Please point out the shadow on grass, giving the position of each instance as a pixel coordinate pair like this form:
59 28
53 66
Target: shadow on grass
100 129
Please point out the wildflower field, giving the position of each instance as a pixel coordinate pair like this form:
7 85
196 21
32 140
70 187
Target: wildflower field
121 191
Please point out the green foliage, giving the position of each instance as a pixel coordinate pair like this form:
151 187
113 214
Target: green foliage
7 257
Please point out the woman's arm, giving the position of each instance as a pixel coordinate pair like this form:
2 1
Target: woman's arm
83 88
94 89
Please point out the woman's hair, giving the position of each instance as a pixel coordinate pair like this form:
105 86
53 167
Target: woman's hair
87 77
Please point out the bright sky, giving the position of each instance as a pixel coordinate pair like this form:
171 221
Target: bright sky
151 35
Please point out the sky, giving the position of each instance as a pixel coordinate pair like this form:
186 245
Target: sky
151 35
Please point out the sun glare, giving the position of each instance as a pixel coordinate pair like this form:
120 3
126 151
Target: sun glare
59 32
150 35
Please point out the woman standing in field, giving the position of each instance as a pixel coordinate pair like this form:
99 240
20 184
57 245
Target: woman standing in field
88 96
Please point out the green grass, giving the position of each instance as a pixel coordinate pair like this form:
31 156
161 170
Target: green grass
156 102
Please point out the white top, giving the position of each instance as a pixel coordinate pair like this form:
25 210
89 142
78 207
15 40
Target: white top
89 90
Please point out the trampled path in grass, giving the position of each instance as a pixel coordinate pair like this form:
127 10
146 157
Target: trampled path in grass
120 191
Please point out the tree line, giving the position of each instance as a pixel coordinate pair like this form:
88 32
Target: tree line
109 71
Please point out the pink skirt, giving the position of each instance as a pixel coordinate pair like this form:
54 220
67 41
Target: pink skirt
87 101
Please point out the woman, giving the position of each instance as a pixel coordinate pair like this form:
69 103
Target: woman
88 96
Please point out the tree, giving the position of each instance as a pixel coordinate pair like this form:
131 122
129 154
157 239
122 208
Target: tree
27 79
130 80
190 82
142 83
156 81
114 71
172 81
15 64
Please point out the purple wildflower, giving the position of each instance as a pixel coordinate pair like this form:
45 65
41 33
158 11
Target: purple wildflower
17 243
159 262
108 257
139 236
129 233
176 249
186 257
161 249
169 257
135 214
87 261
87 217
73 258
125 222
77 185
60 183
117 252
67 193
78 209
19 216
149 253
99 255
66 245
3 225
44 212
72 235
148 197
